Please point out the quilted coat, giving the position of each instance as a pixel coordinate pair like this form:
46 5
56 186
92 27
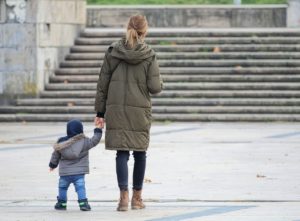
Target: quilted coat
127 79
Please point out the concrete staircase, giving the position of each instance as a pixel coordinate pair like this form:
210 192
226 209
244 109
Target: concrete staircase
209 75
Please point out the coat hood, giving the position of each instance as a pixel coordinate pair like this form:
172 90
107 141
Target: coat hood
132 56
63 144
74 127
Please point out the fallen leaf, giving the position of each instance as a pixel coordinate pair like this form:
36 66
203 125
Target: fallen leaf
147 180
260 176
216 50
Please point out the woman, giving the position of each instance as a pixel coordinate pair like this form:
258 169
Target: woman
129 74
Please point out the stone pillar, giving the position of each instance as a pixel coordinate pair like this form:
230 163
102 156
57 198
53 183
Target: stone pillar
35 35
293 14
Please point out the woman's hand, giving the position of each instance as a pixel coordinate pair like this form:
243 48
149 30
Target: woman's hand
100 122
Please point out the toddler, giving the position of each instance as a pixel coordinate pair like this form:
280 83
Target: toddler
71 153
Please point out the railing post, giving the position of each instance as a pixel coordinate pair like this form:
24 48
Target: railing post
293 15
237 2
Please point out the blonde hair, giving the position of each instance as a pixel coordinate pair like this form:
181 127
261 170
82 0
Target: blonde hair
136 30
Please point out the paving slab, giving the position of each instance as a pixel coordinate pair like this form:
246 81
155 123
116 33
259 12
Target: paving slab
195 171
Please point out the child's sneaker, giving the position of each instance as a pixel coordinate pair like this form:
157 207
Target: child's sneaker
60 205
84 205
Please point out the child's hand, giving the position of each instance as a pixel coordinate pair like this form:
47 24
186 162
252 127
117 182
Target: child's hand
99 122
51 169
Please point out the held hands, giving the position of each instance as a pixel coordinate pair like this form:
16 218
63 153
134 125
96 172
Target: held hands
99 122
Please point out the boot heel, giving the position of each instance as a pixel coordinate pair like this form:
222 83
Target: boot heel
136 201
123 202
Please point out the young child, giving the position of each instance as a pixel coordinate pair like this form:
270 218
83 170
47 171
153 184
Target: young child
71 153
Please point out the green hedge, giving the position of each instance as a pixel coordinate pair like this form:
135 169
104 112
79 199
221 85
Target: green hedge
159 2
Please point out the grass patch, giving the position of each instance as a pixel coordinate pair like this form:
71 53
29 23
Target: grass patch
174 2
166 43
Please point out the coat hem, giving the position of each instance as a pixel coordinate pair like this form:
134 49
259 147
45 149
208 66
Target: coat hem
126 149
72 174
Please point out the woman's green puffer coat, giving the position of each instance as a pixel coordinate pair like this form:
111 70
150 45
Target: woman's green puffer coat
126 80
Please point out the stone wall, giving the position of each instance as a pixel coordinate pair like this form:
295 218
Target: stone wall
35 35
191 16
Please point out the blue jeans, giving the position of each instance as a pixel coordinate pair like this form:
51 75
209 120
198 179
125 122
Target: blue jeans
138 169
64 183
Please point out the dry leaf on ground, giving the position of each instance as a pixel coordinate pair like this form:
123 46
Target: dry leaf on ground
147 180
260 176
217 50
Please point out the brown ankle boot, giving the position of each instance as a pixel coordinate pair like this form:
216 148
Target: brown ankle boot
136 201
123 202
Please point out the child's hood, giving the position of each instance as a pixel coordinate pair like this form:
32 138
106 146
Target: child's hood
69 146
74 128
68 143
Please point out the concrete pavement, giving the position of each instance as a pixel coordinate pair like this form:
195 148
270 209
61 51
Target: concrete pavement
195 171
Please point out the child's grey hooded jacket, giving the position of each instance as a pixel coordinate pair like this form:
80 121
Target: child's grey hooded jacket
72 152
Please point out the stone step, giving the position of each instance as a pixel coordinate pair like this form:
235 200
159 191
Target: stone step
167 102
187 78
156 110
228 117
230 70
196 40
196 63
197 55
85 56
187 86
78 71
157 117
209 75
8 118
201 48
185 94
194 32
196 71
81 64
55 101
